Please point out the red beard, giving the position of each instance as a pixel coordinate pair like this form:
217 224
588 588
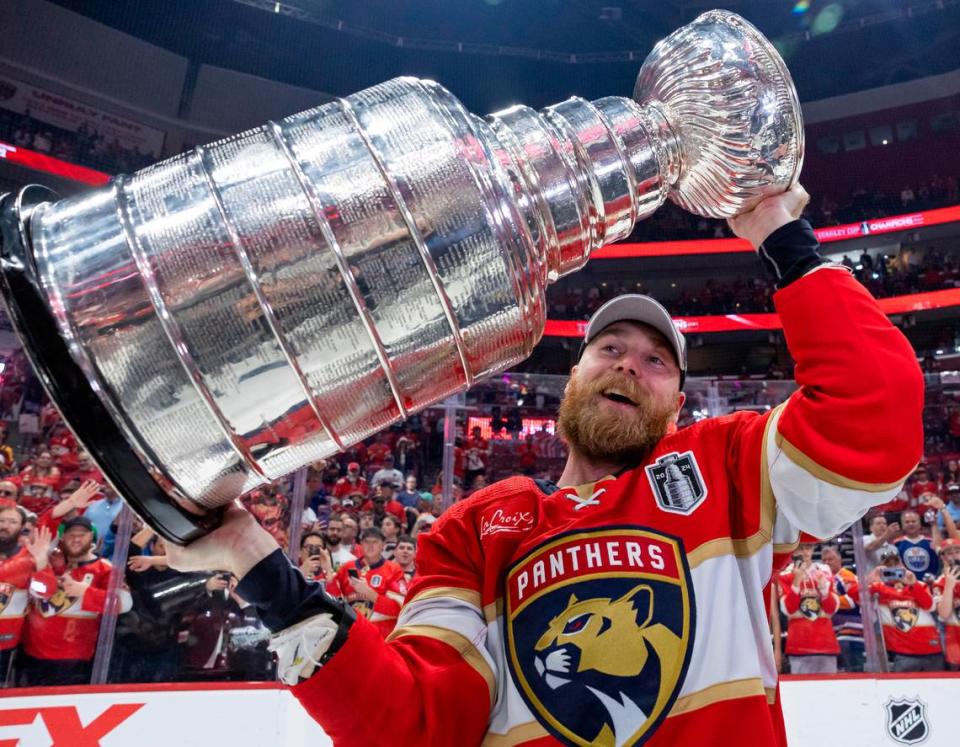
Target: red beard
614 434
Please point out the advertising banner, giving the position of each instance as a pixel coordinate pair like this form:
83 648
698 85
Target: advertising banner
69 114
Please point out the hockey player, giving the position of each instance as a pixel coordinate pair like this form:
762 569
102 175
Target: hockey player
60 636
628 605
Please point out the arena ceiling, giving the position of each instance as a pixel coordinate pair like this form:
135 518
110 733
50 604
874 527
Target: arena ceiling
495 52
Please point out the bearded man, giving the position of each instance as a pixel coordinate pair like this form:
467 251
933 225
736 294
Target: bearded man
628 605
68 593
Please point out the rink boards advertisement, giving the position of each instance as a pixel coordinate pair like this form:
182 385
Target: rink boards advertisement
849 710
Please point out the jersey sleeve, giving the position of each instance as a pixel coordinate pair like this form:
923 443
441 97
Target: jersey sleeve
850 435
435 656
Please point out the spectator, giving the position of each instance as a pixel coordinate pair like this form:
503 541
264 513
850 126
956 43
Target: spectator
9 492
102 513
922 484
339 551
406 453
315 560
351 485
952 506
905 605
917 552
387 474
405 556
42 468
7 462
809 601
409 496
222 637
349 533
16 567
527 457
60 635
947 599
390 526
878 541
384 502
847 622
374 586
477 455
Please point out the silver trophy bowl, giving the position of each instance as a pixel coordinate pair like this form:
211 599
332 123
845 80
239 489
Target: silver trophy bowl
217 320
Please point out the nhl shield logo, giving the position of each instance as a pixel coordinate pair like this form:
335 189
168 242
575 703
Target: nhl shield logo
600 627
907 720
677 483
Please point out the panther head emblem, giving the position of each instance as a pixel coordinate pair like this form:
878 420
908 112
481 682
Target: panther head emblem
810 607
905 618
603 642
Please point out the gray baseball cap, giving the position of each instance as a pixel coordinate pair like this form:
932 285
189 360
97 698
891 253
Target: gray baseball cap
638 308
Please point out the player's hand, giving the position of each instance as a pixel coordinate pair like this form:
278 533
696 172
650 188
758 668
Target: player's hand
770 214
237 545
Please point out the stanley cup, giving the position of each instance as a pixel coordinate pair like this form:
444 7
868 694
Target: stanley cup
224 317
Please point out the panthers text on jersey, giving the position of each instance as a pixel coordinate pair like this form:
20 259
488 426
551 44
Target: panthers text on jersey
634 610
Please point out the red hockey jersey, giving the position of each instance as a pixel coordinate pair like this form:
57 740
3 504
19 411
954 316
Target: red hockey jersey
386 578
905 614
634 610
809 612
15 574
61 627
951 626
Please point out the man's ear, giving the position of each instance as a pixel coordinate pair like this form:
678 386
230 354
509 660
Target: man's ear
681 398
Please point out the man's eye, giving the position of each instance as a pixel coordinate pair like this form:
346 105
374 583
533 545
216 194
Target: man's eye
656 359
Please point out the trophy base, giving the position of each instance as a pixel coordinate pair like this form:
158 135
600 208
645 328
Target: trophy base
70 390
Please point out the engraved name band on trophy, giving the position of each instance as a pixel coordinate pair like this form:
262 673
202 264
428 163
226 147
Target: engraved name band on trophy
219 319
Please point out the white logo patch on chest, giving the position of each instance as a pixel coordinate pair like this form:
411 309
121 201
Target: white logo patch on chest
677 483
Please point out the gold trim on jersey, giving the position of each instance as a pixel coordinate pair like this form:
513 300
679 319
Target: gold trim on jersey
747 546
461 644
731 690
494 610
516 735
832 478
452 592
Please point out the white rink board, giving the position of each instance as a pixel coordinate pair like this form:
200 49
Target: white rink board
847 710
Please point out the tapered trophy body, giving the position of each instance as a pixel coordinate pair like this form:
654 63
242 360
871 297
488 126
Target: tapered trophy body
224 317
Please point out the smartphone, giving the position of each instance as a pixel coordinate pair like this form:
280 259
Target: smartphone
353 573
225 575
892 574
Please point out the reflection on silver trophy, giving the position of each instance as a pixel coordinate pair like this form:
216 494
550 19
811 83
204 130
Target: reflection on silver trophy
253 305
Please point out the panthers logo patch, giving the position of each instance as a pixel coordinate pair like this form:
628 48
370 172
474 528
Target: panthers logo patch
810 607
600 628
905 618
6 595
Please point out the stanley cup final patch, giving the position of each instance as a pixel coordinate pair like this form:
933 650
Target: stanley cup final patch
600 627
677 482
907 720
